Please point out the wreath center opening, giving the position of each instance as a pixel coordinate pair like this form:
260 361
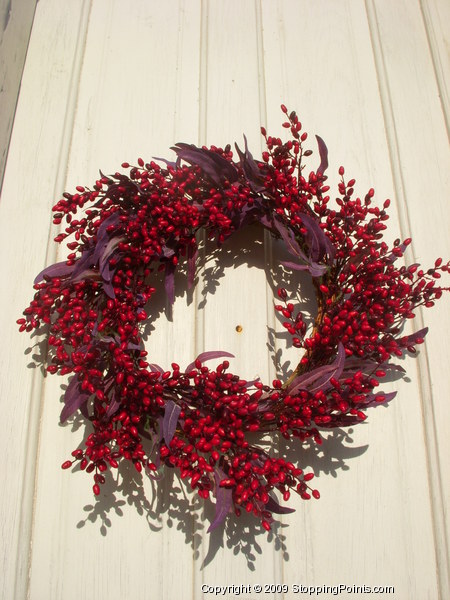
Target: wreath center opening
232 307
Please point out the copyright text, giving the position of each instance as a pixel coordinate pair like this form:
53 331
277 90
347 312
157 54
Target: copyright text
295 588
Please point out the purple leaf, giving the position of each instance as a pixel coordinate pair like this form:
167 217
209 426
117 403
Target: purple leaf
113 219
108 251
169 425
83 263
204 356
167 162
224 500
251 169
156 368
109 290
273 507
393 257
289 239
294 266
250 213
335 370
73 399
107 272
84 411
252 382
319 378
86 274
113 407
169 282
131 346
263 405
412 339
323 151
371 399
213 165
103 237
60 269
368 367
244 215
155 438
109 338
318 241
316 270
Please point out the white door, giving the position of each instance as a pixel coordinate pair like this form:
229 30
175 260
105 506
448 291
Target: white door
107 81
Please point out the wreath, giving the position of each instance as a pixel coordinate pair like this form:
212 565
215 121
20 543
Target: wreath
202 421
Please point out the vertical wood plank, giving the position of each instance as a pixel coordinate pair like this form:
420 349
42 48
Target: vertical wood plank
137 96
424 212
235 279
436 16
330 78
39 145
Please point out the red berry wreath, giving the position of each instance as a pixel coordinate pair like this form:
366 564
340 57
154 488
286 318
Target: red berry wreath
198 420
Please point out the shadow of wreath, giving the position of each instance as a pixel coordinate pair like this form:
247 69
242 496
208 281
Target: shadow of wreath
167 502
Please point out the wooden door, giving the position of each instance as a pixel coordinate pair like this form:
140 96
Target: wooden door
107 81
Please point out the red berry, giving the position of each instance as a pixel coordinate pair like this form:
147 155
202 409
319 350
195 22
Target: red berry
266 525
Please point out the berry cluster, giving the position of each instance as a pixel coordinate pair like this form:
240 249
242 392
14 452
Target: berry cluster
199 421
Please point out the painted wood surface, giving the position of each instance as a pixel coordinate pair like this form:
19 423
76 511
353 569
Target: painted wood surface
107 81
